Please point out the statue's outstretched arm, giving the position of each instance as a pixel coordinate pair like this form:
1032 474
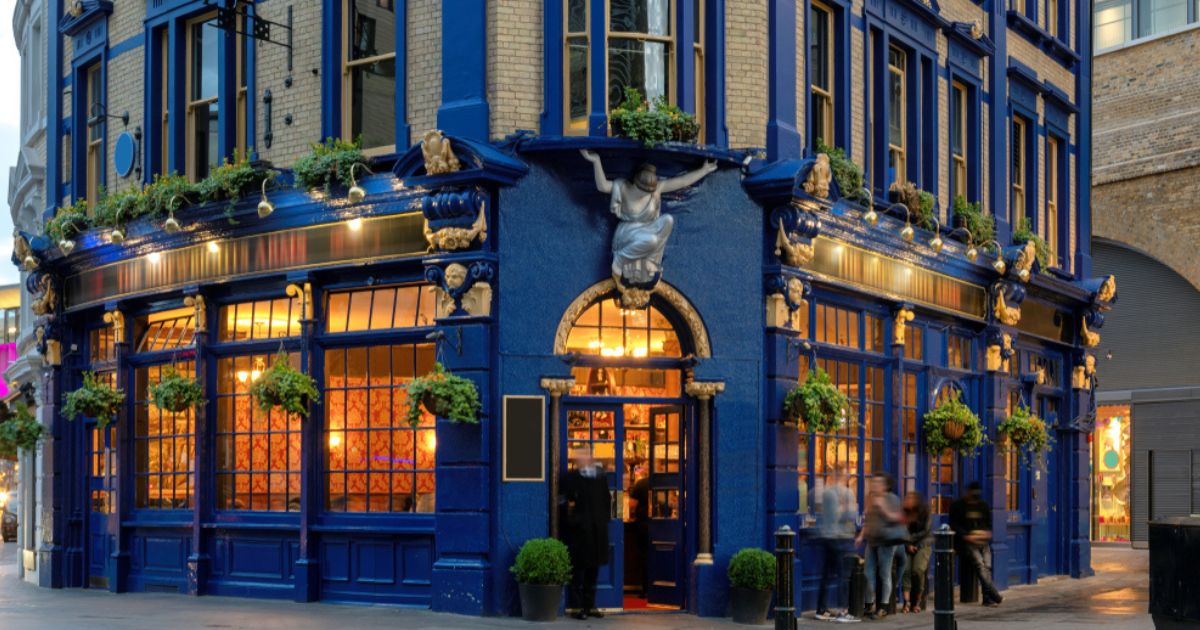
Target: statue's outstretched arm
687 179
602 183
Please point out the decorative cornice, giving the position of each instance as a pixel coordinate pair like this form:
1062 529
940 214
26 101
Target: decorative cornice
704 390
78 14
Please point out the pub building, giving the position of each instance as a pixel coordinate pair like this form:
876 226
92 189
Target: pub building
653 304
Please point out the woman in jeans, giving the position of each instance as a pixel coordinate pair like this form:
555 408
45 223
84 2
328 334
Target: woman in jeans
884 532
919 548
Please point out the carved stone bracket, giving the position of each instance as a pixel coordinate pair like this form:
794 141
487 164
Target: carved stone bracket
795 229
786 294
999 351
704 390
47 339
117 320
201 311
43 291
557 387
900 319
1006 302
455 219
304 294
1083 373
439 155
819 176
462 291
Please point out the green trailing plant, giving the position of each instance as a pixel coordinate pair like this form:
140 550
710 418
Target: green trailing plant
752 569
69 222
847 174
444 395
1026 431
542 561
175 392
652 123
970 216
1024 233
329 163
21 431
115 209
230 182
94 399
919 203
284 387
952 425
818 402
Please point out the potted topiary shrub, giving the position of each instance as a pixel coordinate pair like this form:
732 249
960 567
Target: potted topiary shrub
94 399
283 386
817 402
751 578
175 392
542 569
444 395
952 424
1027 432
20 431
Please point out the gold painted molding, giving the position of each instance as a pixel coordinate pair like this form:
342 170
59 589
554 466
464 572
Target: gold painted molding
668 293
117 320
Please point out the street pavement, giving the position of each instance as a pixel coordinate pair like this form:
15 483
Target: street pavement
1115 598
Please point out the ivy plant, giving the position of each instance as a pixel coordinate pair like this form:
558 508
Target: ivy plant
652 123
971 216
752 569
1027 432
919 203
1024 233
542 561
69 222
847 174
115 209
94 399
283 386
175 392
818 402
444 395
328 163
20 431
231 181
943 421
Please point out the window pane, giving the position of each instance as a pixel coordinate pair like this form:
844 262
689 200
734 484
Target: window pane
637 64
265 319
206 73
652 17
379 309
576 16
374 28
957 111
373 103
819 47
1114 22
577 78
1157 16
896 98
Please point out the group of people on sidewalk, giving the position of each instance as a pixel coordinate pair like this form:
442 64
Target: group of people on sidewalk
895 534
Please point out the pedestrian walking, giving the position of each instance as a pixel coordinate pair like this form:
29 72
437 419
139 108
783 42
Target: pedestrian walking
883 531
585 500
835 533
971 520
918 550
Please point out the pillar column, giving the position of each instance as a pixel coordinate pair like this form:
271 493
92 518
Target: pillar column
703 392
199 562
464 109
308 567
556 387
118 562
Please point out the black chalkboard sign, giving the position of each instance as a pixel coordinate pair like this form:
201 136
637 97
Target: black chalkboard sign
524 438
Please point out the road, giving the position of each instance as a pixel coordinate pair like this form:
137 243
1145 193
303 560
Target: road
1115 598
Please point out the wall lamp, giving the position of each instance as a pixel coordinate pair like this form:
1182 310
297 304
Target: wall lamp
171 226
906 232
936 242
99 115
870 216
998 264
972 254
357 193
265 207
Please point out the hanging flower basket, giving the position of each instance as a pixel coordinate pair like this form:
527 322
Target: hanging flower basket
176 393
1027 432
953 425
817 402
444 395
94 399
20 431
282 386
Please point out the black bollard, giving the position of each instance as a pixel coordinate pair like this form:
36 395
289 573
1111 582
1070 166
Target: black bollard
858 586
785 553
943 579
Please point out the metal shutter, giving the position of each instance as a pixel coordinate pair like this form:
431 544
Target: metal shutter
1140 497
1170 483
1196 482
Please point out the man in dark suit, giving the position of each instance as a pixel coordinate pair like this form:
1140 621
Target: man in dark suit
586 501
971 520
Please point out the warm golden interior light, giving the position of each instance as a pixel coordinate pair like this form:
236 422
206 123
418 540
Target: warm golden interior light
354 224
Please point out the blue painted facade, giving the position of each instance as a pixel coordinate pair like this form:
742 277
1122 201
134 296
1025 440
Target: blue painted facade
548 242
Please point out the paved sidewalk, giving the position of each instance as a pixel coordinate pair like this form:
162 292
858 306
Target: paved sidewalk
1115 598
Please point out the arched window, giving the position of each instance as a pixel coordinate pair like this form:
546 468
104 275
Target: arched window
606 329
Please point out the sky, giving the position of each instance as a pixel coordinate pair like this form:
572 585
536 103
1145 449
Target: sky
10 135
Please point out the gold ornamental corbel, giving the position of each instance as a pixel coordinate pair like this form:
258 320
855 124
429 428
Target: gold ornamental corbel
117 320
304 294
900 324
201 311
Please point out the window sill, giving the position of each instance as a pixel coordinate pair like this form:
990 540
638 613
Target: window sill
1052 45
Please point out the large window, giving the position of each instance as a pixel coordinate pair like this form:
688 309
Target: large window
1013 469
164 96
369 74
607 330
943 468
1120 21
897 115
101 357
958 352
1019 170
857 446
376 461
909 424
820 56
958 141
203 108
1050 227
95 135
10 326
164 446
167 330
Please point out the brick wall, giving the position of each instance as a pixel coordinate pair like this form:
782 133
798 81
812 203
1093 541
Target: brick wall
424 65
746 57
303 99
514 66
1146 165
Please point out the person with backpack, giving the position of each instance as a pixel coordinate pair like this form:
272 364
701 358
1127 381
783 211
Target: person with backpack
883 532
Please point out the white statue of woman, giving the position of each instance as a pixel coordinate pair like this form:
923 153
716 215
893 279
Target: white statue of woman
641 236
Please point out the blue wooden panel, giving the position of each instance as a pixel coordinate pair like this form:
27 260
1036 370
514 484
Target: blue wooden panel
375 562
98 552
256 558
164 553
417 564
335 561
394 570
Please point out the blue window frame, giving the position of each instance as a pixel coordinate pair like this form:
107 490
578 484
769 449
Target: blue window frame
900 85
828 94
1021 155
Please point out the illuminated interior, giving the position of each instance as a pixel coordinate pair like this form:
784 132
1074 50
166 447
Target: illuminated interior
1110 474
605 329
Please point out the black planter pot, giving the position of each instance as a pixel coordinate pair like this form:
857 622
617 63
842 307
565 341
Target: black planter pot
749 606
540 602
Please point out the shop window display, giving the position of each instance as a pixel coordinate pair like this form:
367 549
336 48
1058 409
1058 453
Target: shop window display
1110 475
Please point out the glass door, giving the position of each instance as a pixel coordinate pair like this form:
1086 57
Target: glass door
601 428
101 501
665 558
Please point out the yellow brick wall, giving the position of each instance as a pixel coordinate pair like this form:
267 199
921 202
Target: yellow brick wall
424 65
303 99
746 72
514 66
801 109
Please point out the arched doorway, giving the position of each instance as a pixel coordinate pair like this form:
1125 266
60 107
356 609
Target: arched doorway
628 407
